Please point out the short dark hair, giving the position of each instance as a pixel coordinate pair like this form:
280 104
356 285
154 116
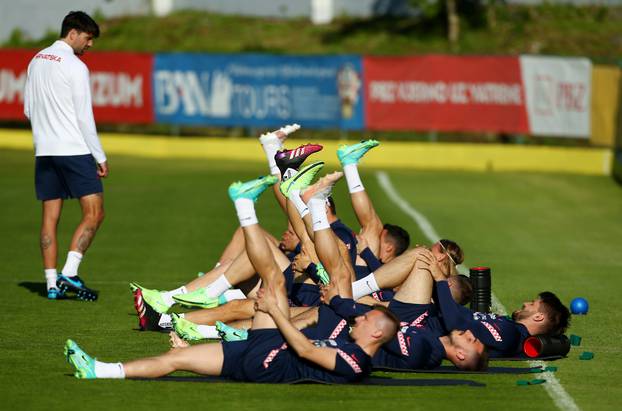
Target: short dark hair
331 205
556 312
399 237
465 287
454 250
79 21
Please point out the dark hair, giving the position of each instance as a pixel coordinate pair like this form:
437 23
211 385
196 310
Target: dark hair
482 361
399 237
454 250
465 287
557 314
331 205
79 21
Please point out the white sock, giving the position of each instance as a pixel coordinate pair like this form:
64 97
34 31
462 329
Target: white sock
219 286
317 207
109 370
236 294
168 295
245 207
166 321
271 144
71 265
352 178
364 286
50 277
302 208
208 331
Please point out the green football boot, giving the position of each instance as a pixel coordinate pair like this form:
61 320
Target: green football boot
251 189
152 297
302 179
83 363
186 329
352 154
199 298
228 333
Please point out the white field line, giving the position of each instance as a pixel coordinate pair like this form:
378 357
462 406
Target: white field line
556 391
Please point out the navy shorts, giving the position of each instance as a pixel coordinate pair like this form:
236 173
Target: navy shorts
415 315
66 177
233 353
267 358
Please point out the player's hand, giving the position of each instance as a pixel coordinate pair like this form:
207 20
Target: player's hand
301 261
327 292
361 243
102 169
266 300
431 264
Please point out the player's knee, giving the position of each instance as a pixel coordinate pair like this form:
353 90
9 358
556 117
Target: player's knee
95 216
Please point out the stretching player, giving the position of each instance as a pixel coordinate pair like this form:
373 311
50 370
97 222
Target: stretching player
503 336
265 356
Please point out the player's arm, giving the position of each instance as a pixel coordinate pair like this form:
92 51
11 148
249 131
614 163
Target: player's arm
81 96
322 356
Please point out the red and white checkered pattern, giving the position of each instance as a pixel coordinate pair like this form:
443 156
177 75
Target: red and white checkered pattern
493 331
338 329
350 361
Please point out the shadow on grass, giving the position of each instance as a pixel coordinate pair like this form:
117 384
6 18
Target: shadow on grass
41 289
38 288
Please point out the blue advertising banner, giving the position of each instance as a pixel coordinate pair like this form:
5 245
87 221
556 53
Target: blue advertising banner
258 90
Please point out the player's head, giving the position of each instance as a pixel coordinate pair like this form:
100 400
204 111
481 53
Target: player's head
466 351
461 288
377 326
448 254
78 30
394 240
544 315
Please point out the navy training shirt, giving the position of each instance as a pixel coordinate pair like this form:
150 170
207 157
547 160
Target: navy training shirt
503 336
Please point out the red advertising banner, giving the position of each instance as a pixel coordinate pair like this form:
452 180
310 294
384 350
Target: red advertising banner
13 65
444 93
121 85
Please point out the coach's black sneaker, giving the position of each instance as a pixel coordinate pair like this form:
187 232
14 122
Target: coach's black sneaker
75 285
289 161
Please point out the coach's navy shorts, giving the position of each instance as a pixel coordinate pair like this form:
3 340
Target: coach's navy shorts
66 177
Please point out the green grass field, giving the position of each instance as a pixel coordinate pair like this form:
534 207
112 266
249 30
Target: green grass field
168 219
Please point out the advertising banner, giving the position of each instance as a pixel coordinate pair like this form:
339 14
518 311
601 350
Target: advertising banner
120 85
558 94
444 93
258 90
13 65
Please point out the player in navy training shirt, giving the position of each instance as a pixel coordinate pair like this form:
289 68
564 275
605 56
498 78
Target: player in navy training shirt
502 335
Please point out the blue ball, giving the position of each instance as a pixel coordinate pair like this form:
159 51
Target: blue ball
579 306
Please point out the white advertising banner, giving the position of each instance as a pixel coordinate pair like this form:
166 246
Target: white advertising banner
558 95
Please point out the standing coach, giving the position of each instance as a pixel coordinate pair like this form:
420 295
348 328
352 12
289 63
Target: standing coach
69 159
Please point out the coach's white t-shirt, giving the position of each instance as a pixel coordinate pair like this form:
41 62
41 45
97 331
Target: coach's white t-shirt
57 100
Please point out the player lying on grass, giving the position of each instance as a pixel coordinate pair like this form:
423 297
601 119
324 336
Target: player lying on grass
275 350
503 336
